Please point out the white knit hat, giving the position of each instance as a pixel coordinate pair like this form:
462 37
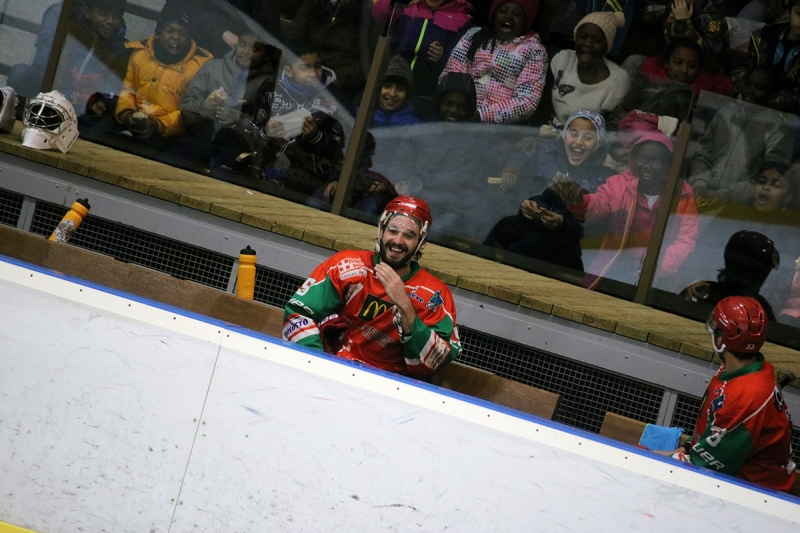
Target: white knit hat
608 21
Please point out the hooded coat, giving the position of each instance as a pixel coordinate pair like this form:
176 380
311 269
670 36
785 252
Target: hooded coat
157 89
630 225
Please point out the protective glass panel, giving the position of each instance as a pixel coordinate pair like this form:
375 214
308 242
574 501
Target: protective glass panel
743 166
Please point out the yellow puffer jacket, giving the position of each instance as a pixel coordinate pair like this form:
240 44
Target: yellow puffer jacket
157 89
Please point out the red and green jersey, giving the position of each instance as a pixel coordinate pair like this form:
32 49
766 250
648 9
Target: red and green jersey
744 428
346 284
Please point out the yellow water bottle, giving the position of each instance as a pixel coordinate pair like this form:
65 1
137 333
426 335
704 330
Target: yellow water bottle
246 282
69 224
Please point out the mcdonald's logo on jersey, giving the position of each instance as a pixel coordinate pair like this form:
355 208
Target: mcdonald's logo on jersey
372 307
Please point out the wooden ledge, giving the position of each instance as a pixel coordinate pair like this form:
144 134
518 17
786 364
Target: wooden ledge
322 229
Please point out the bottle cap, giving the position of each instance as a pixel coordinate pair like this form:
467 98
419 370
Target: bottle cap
248 251
84 202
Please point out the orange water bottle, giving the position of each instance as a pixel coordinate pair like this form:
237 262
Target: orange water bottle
69 224
246 282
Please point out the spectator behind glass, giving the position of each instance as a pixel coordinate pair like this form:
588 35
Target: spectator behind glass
305 157
507 62
371 192
425 34
773 213
544 228
740 138
159 72
93 59
394 108
334 29
790 315
630 202
221 100
455 98
584 78
704 22
93 63
214 28
749 258
778 45
669 85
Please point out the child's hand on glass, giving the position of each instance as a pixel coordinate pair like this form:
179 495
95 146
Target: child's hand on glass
435 51
330 191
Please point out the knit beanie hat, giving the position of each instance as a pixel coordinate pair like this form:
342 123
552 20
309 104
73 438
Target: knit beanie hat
751 255
399 71
608 21
529 7
172 14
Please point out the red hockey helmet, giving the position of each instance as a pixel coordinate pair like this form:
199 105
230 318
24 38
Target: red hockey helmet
743 324
415 208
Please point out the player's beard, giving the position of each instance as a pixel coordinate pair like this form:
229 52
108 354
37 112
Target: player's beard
403 261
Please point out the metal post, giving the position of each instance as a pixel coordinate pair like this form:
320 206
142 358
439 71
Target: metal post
364 118
58 45
673 192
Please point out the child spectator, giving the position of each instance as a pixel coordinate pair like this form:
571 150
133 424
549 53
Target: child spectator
704 22
159 72
213 27
507 62
771 213
779 45
221 99
455 98
544 228
425 35
334 28
630 202
584 77
669 85
371 192
302 130
394 108
790 315
739 139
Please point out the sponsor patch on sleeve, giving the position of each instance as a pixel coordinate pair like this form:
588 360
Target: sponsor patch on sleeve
298 327
435 301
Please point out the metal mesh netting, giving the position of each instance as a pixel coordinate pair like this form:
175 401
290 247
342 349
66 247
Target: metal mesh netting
139 247
10 207
586 392
274 287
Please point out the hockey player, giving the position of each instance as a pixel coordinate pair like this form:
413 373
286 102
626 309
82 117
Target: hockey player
743 427
379 307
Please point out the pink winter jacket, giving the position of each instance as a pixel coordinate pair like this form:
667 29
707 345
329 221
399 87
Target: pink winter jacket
630 224
509 78
792 308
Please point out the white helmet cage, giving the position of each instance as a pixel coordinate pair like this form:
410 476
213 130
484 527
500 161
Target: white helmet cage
50 123
8 106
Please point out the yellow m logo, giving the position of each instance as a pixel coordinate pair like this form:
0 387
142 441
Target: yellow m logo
373 307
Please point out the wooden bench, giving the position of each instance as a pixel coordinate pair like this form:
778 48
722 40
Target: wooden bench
628 430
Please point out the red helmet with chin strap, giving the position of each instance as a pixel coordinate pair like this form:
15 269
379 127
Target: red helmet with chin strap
415 208
743 324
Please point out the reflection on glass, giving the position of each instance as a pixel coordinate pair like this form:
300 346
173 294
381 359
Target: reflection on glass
748 190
